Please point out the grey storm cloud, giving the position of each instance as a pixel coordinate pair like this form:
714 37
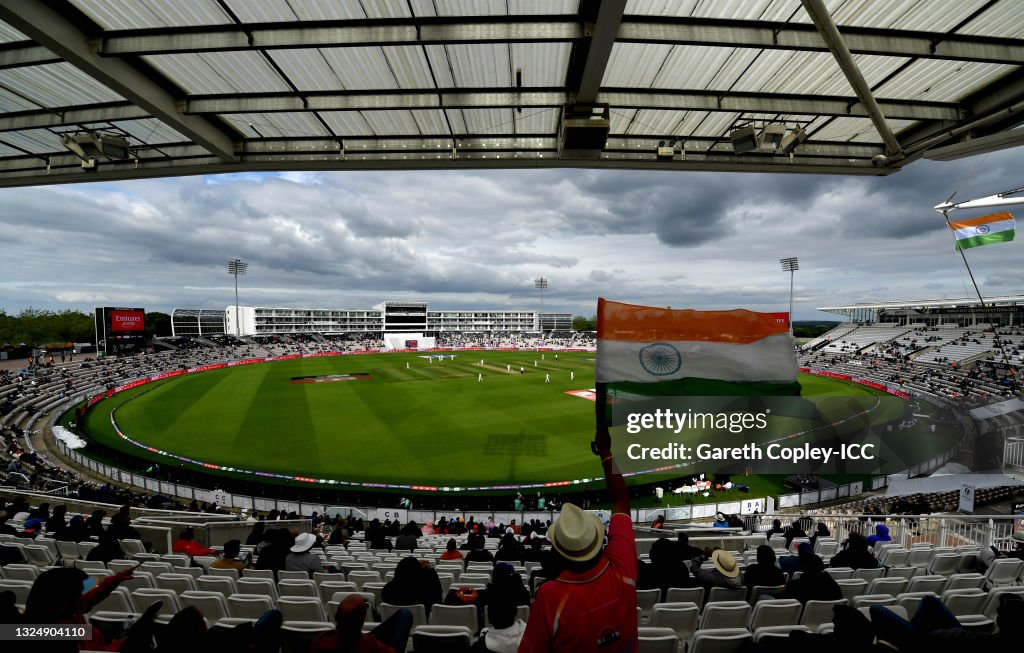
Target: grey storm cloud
477 239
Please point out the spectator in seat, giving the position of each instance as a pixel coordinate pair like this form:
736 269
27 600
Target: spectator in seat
881 535
666 569
764 572
726 572
776 529
506 631
229 560
814 584
822 531
794 531
413 583
301 557
390 636
451 551
507 586
591 605
856 555
186 544
279 542
108 549
407 539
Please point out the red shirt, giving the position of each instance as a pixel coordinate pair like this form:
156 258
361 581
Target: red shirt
590 612
190 547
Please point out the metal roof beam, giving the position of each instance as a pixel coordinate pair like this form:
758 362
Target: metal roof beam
799 36
633 29
55 32
25 53
338 34
67 116
463 98
70 171
830 34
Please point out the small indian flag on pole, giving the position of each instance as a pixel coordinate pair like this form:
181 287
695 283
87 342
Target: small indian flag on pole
652 351
988 229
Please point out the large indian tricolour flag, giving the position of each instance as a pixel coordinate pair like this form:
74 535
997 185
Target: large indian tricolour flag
988 229
664 352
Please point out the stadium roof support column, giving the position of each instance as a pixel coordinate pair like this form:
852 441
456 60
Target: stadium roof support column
54 31
606 29
834 40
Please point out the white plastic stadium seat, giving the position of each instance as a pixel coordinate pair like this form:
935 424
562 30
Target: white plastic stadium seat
721 640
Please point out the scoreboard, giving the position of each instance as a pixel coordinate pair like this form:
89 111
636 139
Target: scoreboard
120 330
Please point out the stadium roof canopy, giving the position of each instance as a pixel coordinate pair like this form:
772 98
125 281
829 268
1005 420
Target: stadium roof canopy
965 302
118 89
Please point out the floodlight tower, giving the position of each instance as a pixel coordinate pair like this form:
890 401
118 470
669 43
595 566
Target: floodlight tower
541 283
790 265
237 269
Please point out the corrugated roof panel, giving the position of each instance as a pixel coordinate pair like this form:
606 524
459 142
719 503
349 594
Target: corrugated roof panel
10 35
247 72
874 69
488 121
543 7
691 66
634 64
543 64
13 102
1002 20
37 141
150 130
457 120
386 9
409 66
441 65
942 81
620 120
933 15
794 72
307 69
537 121
189 71
8 151
656 123
431 122
480 64
470 7
746 10
294 125
872 136
56 85
269 11
219 72
847 129
347 123
391 122
117 14
711 124
360 68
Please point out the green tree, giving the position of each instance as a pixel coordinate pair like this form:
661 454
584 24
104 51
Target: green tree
580 323
157 324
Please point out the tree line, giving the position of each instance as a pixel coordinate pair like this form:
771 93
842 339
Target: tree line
35 327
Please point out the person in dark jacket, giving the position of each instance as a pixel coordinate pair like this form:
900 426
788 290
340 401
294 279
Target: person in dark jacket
686 552
856 555
814 583
413 583
506 586
666 569
794 532
764 572
776 529
822 531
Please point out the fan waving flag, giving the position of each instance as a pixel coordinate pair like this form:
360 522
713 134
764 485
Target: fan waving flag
663 352
988 229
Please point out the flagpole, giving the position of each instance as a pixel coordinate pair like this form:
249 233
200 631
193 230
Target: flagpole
1002 350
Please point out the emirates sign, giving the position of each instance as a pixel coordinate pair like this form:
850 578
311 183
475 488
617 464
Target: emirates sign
127 321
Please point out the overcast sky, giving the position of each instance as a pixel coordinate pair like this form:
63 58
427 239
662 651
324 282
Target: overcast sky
477 239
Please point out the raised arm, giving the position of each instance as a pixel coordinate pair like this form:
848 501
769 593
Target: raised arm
612 477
